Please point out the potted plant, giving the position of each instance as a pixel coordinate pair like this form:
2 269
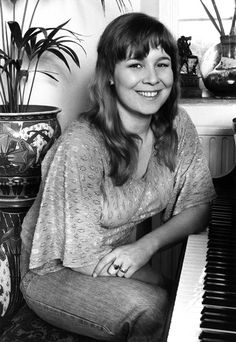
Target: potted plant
26 131
218 66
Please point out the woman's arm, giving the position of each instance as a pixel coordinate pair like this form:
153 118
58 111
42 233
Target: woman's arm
134 257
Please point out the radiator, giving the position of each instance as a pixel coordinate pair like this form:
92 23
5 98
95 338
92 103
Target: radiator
219 148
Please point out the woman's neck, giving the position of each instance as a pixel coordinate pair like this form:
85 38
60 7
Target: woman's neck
139 125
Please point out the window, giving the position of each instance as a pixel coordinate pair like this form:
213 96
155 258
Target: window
193 21
188 18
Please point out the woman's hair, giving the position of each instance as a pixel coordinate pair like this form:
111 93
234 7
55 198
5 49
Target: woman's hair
127 35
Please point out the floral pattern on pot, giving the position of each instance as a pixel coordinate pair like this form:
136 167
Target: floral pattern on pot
25 138
21 146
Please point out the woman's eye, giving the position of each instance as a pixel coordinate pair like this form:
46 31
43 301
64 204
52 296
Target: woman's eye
163 65
136 66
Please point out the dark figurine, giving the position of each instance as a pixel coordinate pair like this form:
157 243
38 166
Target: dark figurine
188 62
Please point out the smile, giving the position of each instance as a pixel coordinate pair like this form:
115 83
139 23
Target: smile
149 94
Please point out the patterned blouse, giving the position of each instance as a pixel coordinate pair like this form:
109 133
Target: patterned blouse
79 215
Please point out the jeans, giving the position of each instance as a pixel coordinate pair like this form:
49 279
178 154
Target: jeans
105 308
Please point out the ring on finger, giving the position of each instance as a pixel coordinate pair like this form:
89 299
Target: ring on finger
123 271
116 267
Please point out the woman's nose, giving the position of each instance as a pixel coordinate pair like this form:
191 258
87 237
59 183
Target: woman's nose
151 75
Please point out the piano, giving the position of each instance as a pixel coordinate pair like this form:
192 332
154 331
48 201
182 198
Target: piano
204 301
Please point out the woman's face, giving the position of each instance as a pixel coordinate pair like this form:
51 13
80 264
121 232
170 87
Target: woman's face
143 86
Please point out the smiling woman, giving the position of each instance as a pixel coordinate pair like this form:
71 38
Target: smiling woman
135 153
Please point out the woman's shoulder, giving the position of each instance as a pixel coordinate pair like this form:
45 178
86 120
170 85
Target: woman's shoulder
183 121
78 139
81 130
79 135
182 116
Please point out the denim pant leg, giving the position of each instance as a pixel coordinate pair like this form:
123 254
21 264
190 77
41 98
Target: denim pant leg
105 308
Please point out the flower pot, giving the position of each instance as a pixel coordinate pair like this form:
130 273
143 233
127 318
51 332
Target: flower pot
218 68
24 140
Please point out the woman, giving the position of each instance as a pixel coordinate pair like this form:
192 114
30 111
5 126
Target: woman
133 155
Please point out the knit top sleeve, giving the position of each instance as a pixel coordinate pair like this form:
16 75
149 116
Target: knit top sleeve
67 221
192 179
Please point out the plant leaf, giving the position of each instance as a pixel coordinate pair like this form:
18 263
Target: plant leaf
71 53
60 56
56 29
3 54
218 17
211 17
16 33
49 74
103 5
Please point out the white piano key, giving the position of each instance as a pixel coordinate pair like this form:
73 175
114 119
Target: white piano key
185 321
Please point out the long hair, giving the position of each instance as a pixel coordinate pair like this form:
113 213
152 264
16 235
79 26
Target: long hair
132 34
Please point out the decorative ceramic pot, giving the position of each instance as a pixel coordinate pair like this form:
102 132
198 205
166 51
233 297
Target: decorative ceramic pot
218 68
24 140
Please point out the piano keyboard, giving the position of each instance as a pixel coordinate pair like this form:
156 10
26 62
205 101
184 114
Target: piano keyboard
218 317
205 303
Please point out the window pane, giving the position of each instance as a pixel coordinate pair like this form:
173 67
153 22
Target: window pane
193 21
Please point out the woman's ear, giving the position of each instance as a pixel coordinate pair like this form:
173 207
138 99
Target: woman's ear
111 82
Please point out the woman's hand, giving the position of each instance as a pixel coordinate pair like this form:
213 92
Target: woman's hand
123 261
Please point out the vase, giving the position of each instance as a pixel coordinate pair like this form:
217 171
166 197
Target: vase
218 68
25 138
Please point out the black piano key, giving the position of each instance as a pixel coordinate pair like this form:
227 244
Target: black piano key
214 268
221 236
219 254
222 312
219 279
214 324
219 287
221 262
215 299
216 337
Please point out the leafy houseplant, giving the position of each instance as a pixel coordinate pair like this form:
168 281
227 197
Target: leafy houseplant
22 49
219 63
27 131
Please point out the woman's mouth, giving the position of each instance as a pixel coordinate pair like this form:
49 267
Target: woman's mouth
148 94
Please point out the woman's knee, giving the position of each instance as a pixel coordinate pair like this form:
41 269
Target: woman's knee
149 307
142 315
153 304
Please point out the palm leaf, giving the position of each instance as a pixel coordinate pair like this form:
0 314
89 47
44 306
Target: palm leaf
49 74
218 17
16 33
232 28
59 55
211 17
56 29
103 5
70 52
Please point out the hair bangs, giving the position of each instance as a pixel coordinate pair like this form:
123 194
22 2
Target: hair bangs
139 47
